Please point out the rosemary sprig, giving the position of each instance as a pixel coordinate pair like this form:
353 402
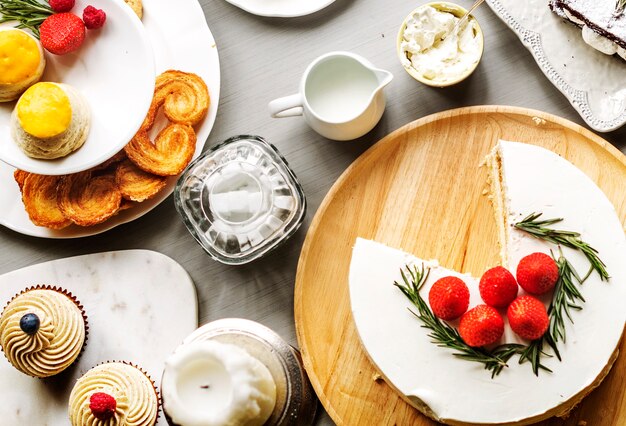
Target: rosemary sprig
619 7
446 336
539 229
27 13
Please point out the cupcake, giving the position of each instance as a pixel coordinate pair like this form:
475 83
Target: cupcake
42 331
22 63
50 121
114 393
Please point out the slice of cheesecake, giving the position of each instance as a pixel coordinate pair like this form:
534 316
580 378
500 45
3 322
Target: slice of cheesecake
524 179
603 22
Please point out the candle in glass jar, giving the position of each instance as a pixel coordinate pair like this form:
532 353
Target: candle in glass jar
215 384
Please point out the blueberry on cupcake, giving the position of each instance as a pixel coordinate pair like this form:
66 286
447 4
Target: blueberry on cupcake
42 331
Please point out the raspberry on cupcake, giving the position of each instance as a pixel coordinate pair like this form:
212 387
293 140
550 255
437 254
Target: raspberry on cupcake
114 393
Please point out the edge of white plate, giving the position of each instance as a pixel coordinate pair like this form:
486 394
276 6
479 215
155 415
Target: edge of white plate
276 12
147 206
578 98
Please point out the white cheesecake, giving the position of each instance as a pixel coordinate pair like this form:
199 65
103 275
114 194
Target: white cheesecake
525 179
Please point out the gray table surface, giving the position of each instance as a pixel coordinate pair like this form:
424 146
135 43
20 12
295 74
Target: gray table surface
263 58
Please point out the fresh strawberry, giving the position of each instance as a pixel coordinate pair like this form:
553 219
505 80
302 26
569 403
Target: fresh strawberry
481 326
102 405
94 18
537 273
60 6
528 317
62 33
449 298
498 287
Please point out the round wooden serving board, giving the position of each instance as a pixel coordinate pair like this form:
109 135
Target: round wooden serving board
422 189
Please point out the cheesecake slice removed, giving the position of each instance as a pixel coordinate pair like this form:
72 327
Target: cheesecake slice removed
524 179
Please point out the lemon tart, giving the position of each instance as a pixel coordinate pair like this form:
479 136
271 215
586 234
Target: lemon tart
22 62
50 121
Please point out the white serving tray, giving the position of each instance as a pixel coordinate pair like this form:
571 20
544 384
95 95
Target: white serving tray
140 306
594 83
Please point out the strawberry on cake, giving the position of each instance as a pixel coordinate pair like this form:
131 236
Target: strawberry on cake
530 338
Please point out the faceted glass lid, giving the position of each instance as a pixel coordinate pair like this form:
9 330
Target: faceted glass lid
240 199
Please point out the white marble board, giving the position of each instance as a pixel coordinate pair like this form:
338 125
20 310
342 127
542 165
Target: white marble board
140 305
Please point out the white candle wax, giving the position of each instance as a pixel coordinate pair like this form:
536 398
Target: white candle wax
215 384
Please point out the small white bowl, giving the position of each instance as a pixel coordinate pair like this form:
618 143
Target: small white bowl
114 69
457 11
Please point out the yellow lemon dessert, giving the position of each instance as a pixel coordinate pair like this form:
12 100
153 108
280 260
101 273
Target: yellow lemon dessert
50 121
22 62
42 331
114 394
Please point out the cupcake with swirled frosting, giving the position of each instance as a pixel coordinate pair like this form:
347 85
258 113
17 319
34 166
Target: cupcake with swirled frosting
114 394
42 331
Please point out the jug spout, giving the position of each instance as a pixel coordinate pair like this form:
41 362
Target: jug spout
384 77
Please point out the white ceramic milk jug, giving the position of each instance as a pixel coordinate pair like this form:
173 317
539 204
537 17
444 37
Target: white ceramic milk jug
341 96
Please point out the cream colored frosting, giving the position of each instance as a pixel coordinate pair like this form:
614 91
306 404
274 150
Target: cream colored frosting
56 344
137 401
61 145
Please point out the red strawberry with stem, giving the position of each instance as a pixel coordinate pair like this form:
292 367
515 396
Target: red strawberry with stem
498 287
528 317
449 298
481 326
537 273
62 33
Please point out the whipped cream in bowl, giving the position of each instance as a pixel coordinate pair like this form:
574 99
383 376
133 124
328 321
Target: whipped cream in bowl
433 51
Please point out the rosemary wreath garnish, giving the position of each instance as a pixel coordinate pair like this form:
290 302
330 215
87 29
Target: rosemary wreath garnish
539 230
446 336
28 13
566 297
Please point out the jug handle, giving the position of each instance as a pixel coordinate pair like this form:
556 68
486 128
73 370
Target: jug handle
289 106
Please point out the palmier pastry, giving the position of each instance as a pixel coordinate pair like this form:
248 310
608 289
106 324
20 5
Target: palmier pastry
135 184
137 7
87 199
20 177
184 97
39 194
172 150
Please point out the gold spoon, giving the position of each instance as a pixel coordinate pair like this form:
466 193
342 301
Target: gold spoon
463 18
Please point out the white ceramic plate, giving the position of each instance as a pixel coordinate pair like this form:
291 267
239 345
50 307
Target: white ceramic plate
140 305
281 8
114 70
181 40
594 83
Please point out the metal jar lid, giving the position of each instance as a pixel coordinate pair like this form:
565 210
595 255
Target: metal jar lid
296 402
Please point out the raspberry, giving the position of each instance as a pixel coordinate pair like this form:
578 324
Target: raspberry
102 405
449 298
498 287
60 6
481 326
94 18
528 317
537 273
